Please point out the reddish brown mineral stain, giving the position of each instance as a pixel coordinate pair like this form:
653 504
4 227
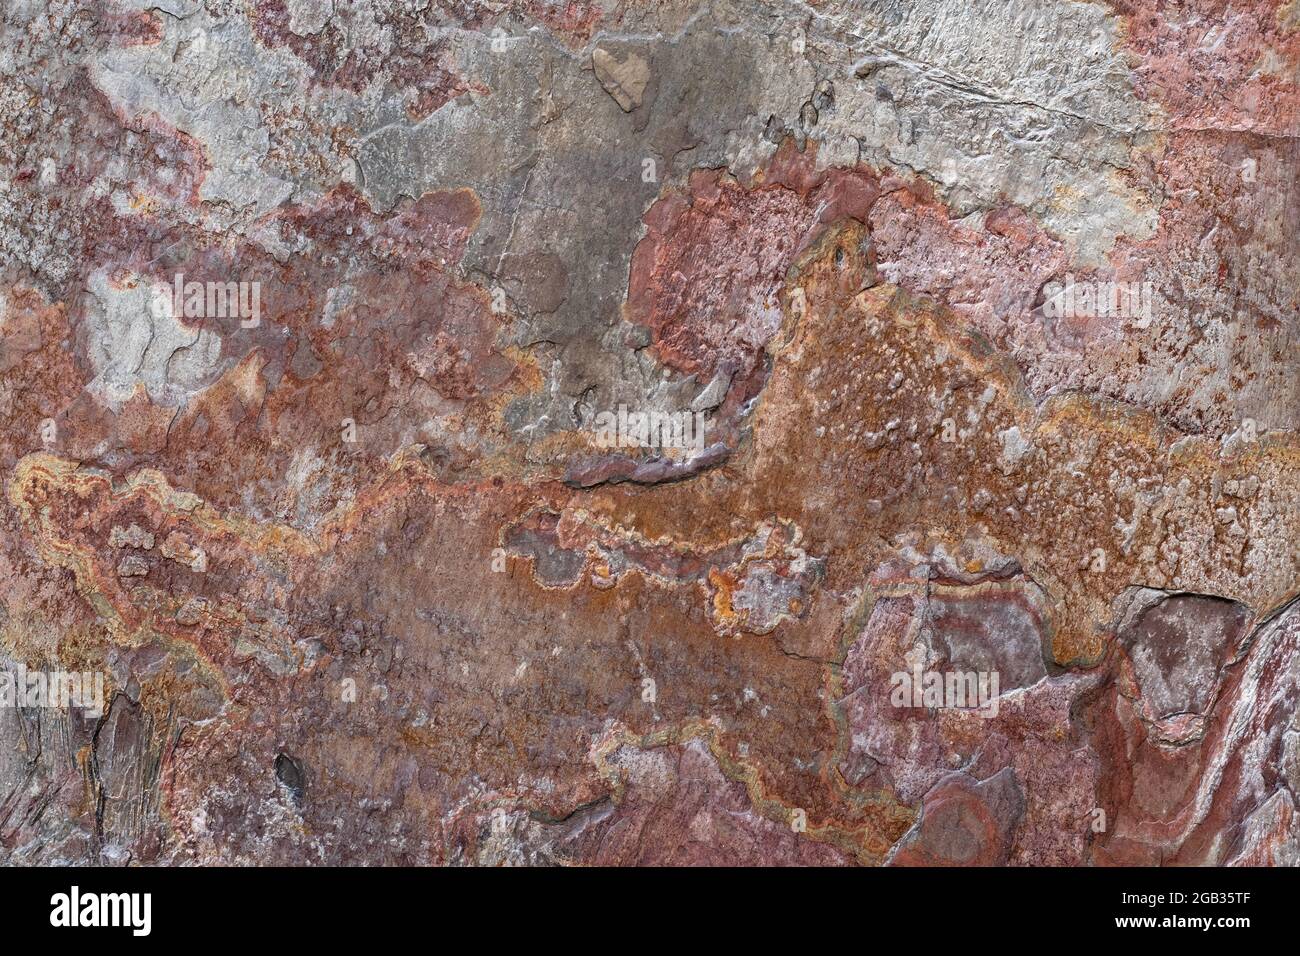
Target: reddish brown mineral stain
706 278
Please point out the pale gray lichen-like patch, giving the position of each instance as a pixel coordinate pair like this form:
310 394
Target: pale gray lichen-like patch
1029 102
134 340
198 80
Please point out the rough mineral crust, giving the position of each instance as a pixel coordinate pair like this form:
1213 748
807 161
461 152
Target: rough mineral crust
644 432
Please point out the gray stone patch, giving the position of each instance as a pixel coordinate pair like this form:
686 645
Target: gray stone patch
134 340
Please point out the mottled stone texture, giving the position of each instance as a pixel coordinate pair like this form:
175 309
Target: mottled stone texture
419 553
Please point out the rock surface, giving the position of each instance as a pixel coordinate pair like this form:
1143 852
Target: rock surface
621 432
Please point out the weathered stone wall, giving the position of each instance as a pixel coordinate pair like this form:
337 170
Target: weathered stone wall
632 432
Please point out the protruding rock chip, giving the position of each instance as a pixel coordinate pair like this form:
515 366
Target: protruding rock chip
625 80
1178 646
